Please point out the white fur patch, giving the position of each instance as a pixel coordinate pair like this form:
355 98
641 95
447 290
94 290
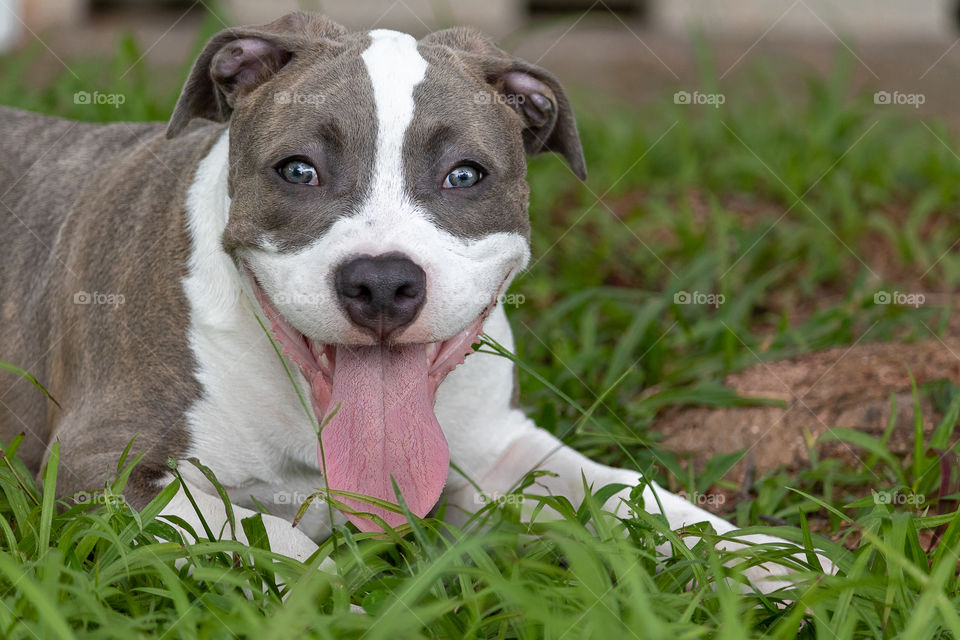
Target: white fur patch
249 426
463 276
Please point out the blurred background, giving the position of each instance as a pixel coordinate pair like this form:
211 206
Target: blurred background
759 276
628 47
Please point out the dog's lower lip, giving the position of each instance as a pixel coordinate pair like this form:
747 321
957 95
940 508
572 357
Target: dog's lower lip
445 355
439 352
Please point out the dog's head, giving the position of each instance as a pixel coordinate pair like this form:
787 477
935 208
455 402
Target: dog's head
378 210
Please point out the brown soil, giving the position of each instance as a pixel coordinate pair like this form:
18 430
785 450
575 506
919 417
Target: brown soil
844 387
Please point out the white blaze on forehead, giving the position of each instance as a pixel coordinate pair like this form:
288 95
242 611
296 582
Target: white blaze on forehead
395 68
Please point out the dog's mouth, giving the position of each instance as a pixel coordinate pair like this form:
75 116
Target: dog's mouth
375 406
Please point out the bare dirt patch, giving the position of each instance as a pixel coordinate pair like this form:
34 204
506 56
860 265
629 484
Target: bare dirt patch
843 387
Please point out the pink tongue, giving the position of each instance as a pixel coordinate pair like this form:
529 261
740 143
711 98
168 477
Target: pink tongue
385 427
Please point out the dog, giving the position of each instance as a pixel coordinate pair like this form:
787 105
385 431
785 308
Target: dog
286 281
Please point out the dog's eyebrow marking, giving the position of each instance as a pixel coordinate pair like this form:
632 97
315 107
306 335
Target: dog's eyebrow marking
395 67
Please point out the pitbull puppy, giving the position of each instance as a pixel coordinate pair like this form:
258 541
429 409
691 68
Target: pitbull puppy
359 196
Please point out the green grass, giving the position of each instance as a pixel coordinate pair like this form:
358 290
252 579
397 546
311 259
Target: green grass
693 199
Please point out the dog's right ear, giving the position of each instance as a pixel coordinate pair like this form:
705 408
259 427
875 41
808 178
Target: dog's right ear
237 61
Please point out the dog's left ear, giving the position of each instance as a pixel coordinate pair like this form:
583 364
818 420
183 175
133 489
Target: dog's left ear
237 61
533 92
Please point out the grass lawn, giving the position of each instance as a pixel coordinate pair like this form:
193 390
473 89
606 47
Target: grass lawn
795 204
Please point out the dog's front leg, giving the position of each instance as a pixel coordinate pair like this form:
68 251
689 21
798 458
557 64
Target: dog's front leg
534 448
530 448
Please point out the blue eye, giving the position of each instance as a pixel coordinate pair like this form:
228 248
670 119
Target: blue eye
462 176
299 172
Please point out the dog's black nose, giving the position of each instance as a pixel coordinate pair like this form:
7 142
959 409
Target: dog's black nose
382 293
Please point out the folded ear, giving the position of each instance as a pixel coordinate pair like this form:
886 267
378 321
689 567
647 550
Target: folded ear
542 104
533 92
236 61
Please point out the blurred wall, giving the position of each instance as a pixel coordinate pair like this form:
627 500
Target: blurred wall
496 17
10 26
816 19
813 19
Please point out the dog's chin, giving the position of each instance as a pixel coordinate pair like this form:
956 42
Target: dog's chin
374 404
